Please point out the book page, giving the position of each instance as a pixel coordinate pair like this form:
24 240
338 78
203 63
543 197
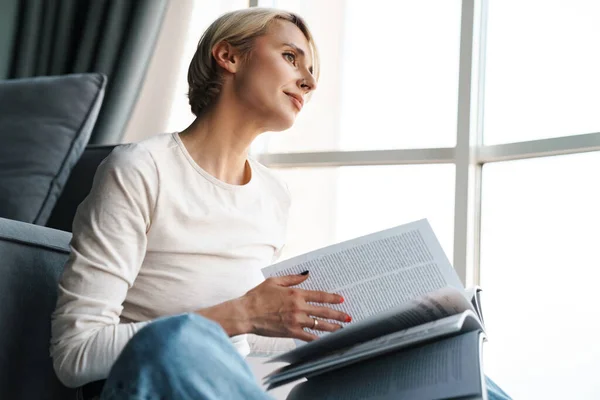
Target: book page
474 293
429 307
375 272
449 368
435 330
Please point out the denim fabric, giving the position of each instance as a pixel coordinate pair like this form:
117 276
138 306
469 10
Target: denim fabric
190 357
183 357
494 392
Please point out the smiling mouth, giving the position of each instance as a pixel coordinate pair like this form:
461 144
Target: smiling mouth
295 102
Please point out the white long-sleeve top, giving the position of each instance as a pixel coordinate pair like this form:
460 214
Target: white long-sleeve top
156 236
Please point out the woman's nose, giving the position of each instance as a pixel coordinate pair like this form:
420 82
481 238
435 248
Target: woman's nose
307 84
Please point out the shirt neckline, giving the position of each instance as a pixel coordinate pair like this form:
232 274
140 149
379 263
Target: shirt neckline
209 177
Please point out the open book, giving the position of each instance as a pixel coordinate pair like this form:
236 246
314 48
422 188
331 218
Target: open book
403 296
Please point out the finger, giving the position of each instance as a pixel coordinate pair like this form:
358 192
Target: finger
303 335
290 280
323 326
315 296
329 313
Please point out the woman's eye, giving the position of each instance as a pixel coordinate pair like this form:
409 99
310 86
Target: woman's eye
291 57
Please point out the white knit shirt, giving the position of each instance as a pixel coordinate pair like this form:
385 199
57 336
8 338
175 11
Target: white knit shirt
156 236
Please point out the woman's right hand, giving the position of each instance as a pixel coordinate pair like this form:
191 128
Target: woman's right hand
275 308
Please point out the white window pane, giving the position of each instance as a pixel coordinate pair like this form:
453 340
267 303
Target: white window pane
400 74
540 270
542 75
389 76
334 204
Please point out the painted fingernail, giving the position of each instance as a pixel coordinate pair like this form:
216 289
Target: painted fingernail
341 299
304 273
348 318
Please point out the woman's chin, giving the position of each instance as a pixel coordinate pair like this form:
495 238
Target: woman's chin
283 123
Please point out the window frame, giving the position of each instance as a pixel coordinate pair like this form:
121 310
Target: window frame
468 156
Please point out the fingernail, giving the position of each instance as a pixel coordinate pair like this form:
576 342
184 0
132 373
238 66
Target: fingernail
304 273
341 299
348 319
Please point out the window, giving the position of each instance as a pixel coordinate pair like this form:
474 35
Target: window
542 76
373 94
539 216
389 76
540 273
330 205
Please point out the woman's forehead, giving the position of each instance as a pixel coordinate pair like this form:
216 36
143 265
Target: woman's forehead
284 33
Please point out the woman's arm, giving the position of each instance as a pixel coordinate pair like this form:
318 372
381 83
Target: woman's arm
107 250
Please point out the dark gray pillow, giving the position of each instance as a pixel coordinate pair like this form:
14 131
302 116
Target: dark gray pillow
45 124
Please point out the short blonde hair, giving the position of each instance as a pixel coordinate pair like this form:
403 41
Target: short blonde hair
238 28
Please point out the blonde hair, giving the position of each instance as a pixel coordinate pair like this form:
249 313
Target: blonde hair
238 28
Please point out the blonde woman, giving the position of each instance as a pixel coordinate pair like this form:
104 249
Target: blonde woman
163 296
178 226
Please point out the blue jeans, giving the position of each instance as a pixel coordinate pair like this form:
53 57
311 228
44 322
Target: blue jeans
189 357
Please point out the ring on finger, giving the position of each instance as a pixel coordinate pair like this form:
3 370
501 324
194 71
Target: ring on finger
315 323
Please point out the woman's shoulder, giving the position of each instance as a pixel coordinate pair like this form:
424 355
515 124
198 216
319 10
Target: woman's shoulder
139 156
130 164
128 157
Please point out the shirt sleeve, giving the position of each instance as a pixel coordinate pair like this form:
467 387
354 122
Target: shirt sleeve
263 346
107 249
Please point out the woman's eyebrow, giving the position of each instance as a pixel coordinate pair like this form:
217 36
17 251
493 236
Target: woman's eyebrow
300 51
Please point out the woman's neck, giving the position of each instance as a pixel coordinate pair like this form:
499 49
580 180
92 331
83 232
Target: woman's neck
219 143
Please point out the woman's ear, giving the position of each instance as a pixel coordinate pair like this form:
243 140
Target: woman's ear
227 56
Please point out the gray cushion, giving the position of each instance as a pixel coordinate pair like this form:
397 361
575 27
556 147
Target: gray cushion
45 124
31 261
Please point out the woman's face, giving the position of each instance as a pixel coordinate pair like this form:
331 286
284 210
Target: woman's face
274 80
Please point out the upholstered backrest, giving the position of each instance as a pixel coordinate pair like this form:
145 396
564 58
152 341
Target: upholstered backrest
78 186
31 262
45 124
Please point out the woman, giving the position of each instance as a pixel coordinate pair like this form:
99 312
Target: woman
182 223
163 286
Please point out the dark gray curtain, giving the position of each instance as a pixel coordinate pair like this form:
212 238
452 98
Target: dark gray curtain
56 37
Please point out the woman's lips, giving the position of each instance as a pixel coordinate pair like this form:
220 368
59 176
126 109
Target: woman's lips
296 102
